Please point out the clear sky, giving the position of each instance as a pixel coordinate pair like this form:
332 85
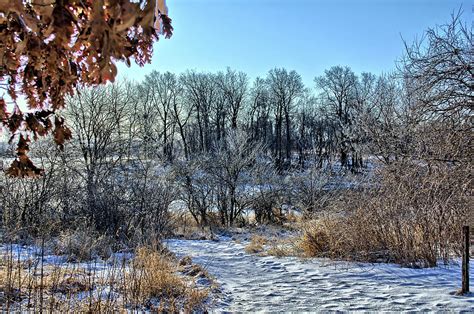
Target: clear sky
305 35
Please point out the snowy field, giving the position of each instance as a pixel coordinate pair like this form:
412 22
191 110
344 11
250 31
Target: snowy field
256 283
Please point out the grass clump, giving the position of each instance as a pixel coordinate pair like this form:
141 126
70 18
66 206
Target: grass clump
154 279
256 245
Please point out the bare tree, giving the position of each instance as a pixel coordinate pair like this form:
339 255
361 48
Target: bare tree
234 86
338 88
440 66
439 77
232 160
200 91
385 120
285 87
162 91
182 113
259 110
306 121
98 117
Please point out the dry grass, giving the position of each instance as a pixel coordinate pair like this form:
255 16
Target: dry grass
413 218
36 287
154 275
82 245
273 246
256 245
185 226
283 247
323 237
151 281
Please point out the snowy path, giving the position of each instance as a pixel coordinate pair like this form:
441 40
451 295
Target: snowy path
254 283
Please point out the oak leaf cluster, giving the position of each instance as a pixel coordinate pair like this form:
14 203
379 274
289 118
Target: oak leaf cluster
49 48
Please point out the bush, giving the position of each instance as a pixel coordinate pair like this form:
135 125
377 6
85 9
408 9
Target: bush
413 217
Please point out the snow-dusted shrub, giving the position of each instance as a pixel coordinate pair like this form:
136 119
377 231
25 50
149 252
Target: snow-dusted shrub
195 188
265 193
414 217
233 159
311 190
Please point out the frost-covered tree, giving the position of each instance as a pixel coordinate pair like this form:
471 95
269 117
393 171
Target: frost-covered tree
441 68
230 166
234 86
439 76
338 88
161 93
285 87
199 90
258 112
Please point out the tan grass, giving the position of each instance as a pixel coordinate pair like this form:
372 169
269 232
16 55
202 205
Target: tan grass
151 281
256 244
284 247
414 218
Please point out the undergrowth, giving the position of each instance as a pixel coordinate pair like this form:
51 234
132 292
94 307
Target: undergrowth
151 280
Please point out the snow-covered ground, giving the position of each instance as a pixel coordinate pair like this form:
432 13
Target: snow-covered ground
256 283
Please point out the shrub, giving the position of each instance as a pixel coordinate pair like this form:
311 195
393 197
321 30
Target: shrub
412 217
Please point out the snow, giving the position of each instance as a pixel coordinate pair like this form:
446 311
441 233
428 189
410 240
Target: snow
100 270
252 283
266 283
31 252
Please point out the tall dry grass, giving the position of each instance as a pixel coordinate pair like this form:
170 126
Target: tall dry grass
256 245
149 281
413 216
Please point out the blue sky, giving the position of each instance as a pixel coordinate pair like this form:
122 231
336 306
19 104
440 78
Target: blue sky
305 35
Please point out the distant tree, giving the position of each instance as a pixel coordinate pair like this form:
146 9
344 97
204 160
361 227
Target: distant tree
285 87
48 48
219 109
162 90
234 85
200 91
385 121
338 88
182 112
306 126
259 111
